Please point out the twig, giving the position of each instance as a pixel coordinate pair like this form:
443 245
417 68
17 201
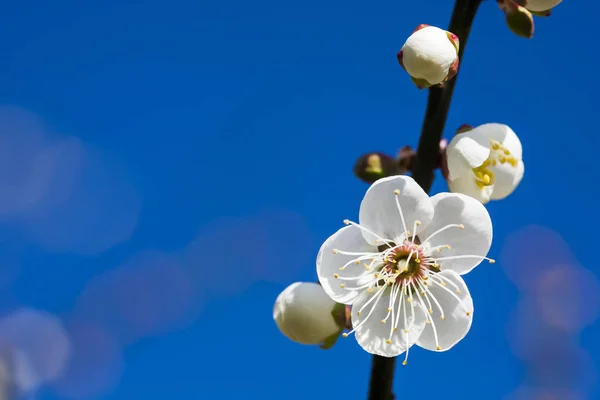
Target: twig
426 161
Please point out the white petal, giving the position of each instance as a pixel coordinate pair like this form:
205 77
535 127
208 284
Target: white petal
503 134
466 151
475 239
457 323
379 212
466 184
348 239
372 336
302 312
428 54
506 179
541 5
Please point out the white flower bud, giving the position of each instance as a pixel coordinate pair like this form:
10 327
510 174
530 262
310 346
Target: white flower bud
540 5
485 162
303 313
430 56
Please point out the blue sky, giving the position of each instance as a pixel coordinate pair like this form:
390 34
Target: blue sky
168 168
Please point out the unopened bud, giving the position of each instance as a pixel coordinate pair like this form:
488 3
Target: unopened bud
430 56
305 314
518 19
373 166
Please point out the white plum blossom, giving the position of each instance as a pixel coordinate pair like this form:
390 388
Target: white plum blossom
400 267
430 55
540 5
485 162
304 313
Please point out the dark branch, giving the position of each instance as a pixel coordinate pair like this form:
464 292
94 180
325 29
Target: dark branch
425 163
439 99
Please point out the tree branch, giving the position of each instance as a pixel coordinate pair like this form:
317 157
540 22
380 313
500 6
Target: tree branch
438 104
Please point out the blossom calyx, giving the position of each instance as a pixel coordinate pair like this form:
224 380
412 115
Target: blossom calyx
372 166
485 162
518 18
430 56
305 314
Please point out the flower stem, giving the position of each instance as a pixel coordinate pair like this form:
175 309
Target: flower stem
425 163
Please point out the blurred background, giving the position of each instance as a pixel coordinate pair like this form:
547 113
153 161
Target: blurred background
168 168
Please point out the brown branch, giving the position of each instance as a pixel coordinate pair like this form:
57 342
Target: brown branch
425 163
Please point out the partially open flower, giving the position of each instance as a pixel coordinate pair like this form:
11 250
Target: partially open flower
540 5
400 267
485 163
305 314
430 56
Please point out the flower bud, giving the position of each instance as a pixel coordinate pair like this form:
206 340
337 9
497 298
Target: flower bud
430 56
540 6
485 162
373 166
305 314
518 19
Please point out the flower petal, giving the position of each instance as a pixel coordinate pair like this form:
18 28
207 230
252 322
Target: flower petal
503 134
466 151
474 240
347 239
506 178
379 212
372 335
458 313
466 184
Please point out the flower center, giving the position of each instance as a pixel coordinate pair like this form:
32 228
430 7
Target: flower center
484 176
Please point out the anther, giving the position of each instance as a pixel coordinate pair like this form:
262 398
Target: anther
492 261
448 247
357 262
461 226
344 335
438 348
335 251
388 341
404 362
383 321
336 276
409 300
457 291
468 313
389 309
430 311
346 222
342 285
358 313
417 222
443 317
396 192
